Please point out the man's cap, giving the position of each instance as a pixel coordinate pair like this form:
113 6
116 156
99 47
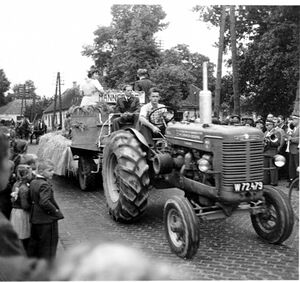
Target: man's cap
269 121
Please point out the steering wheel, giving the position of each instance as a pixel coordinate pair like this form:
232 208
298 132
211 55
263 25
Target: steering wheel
167 114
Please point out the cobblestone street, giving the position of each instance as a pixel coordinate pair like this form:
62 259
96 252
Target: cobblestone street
229 249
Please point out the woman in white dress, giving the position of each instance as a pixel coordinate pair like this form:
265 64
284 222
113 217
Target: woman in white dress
92 89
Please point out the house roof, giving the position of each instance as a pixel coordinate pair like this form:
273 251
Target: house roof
69 98
14 107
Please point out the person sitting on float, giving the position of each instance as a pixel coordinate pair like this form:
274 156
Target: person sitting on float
92 89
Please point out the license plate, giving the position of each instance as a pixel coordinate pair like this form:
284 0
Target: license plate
247 186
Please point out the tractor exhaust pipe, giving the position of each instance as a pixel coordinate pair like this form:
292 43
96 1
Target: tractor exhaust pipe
205 106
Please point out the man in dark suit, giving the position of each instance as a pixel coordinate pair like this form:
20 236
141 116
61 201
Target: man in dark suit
144 83
45 213
129 106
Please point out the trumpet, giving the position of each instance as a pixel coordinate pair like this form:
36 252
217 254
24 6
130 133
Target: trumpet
271 140
289 131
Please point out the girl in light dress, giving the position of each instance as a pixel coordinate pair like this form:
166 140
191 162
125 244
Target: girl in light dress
20 214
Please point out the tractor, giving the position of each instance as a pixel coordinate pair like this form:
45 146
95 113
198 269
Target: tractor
219 168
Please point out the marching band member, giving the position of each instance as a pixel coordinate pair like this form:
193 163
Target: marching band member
293 140
272 143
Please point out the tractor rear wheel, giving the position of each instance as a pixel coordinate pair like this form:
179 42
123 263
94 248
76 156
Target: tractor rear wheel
125 177
294 196
87 180
182 227
275 224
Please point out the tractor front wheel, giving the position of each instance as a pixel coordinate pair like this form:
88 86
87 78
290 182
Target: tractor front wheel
275 224
125 177
182 227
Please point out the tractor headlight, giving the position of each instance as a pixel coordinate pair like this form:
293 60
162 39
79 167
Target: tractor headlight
279 160
204 164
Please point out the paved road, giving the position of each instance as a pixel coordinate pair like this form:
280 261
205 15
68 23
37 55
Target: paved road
229 249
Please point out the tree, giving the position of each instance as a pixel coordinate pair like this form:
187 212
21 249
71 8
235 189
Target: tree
173 82
179 69
37 111
220 60
4 86
268 53
128 43
180 55
235 74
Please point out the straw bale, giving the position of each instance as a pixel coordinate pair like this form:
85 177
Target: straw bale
55 147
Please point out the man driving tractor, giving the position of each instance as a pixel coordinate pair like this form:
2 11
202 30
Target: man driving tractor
147 127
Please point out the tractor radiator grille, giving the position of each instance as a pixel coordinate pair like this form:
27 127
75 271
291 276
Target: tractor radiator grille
242 162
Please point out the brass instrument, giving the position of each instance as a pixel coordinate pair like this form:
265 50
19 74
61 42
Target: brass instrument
271 140
289 132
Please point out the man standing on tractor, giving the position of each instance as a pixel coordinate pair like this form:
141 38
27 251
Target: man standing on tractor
128 105
144 83
148 128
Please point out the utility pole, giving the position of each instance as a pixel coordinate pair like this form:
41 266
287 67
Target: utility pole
54 109
59 97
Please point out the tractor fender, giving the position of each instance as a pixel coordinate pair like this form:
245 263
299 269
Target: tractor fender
139 137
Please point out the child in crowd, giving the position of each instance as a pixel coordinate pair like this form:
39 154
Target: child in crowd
21 204
45 213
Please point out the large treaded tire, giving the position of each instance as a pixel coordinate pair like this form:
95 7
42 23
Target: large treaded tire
125 177
182 227
294 196
276 225
87 180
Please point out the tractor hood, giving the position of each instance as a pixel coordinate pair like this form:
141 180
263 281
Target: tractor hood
197 132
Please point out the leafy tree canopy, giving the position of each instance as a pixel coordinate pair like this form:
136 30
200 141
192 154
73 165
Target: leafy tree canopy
36 112
128 43
180 68
268 53
29 90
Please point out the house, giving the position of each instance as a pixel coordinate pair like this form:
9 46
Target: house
191 103
71 97
13 109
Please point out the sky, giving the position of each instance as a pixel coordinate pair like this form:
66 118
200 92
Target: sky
39 38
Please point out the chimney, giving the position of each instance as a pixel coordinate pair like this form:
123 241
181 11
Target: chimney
75 84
